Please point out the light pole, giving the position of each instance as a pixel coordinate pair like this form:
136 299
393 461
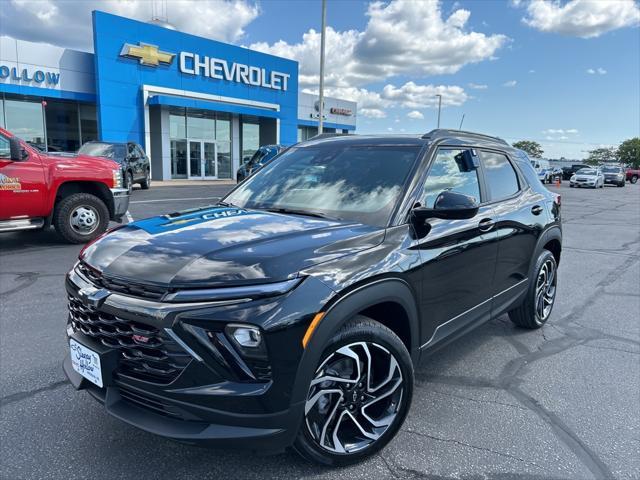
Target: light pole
439 107
322 35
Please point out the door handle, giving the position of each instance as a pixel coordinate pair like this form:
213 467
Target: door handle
485 225
536 209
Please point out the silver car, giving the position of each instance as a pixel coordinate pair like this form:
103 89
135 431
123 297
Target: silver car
587 177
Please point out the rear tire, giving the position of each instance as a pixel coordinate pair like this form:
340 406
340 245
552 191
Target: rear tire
128 182
538 304
634 179
81 217
334 425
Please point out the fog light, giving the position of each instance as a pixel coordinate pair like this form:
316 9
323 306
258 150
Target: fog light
244 335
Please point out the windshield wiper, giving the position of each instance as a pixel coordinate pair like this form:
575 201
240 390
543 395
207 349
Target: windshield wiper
307 213
227 204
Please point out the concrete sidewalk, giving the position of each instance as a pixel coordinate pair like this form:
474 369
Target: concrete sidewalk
187 183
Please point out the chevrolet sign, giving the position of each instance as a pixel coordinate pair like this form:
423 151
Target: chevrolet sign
147 54
194 64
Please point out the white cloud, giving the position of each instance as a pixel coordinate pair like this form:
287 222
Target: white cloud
559 133
532 71
415 115
68 23
599 71
478 86
401 37
581 18
510 83
410 95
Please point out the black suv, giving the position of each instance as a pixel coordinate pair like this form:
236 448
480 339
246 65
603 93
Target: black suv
292 313
136 167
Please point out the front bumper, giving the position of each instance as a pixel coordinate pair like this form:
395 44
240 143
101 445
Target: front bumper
613 180
120 203
205 401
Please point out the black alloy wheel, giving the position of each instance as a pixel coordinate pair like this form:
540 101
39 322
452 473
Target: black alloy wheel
358 397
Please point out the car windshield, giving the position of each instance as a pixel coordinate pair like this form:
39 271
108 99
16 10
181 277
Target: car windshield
612 170
353 183
586 171
107 150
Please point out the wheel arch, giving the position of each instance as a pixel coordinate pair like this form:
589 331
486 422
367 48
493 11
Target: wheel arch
98 189
375 299
550 239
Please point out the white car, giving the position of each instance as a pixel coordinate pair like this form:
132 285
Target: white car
587 177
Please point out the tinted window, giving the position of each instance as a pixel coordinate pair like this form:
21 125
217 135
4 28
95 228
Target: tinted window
359 184
445 174
108 150
612 170
500 176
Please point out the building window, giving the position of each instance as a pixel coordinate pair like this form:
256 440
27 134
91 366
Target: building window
63 134
25 120
201 125
250 138
177 125
2 113
88 123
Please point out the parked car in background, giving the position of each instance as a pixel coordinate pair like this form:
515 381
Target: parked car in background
292 313
259 159
568 172
556 174
135 165
633 174
587 177
77 194
614 175
543 169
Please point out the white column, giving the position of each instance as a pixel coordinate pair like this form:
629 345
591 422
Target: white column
236 154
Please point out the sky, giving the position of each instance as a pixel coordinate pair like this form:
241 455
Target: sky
565 73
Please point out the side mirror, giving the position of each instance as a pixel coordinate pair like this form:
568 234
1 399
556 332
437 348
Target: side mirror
15 148
466 160
449 206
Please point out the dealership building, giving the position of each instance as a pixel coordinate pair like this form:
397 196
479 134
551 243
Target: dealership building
197 106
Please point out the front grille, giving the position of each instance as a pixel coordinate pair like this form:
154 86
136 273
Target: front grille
146 352
120 286
147 402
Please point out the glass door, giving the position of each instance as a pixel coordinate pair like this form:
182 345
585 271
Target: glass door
210 166
179 159
195 159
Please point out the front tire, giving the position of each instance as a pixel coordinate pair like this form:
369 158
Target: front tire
538 304
359 396
634 179
81 217
128 182
146 183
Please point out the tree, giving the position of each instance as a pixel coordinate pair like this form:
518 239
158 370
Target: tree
601 155
629 152
533 149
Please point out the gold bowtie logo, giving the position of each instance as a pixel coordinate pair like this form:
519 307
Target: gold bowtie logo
147 54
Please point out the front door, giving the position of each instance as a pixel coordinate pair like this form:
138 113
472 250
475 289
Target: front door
457 256
22 184
202 160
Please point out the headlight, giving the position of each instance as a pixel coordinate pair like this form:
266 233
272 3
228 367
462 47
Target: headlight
117 178
573 177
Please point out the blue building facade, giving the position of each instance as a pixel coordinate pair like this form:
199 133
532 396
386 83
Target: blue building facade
197 106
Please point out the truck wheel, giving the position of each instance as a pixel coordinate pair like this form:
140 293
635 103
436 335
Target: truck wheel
146 183
128 182
359 396
537 305
80 217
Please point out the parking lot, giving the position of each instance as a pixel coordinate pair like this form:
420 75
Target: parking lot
562 402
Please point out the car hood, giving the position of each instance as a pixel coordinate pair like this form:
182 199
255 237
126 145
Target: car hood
218 246
78 159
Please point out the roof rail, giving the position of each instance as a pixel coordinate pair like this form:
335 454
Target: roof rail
328 135
442 132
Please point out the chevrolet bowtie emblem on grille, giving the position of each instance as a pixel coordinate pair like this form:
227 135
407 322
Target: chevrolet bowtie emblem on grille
147 54
94 297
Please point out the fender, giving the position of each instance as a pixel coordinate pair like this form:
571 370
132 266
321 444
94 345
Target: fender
554 232
346 307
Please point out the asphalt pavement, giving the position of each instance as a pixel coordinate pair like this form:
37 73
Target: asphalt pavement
562 402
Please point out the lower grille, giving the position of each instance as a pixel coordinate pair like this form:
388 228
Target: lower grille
146 352
140 399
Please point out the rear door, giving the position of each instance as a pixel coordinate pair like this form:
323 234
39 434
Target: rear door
519 214
457 256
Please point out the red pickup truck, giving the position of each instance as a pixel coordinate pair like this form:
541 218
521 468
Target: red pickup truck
633 174
78 195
